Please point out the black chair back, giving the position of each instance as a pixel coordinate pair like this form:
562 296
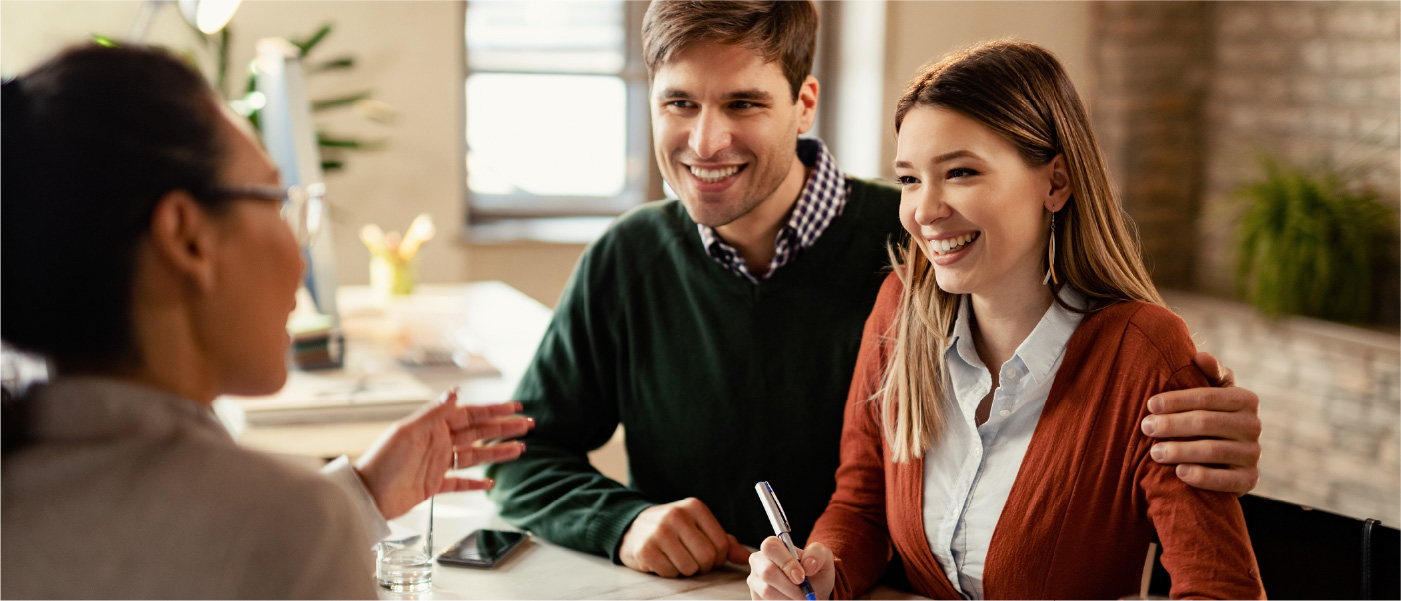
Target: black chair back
1307 553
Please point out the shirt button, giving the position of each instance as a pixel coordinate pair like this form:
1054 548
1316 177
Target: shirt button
1005 412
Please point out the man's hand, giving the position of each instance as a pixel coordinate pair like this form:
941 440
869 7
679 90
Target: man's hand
681 538
409 462
1226 417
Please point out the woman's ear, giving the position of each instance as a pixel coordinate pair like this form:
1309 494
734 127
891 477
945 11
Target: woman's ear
1060 187
183 237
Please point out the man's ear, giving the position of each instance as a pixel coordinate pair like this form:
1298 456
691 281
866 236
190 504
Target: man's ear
1060 188
182 238
807 104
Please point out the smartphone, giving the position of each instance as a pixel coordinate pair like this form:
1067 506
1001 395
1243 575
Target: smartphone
483 548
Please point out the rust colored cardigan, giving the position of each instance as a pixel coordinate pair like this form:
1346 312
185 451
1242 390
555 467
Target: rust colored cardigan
1087 498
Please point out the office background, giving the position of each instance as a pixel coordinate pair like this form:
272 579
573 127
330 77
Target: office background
1184 96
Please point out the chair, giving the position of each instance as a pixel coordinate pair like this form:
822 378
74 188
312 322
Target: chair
1307 553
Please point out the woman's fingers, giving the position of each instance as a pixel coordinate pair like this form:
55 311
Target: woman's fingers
465 484
500 452
495 428
767 579
776 552
465 416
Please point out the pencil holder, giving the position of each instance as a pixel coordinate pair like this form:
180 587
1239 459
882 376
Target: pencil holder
392 276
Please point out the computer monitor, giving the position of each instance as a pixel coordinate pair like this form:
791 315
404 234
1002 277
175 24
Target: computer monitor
290 139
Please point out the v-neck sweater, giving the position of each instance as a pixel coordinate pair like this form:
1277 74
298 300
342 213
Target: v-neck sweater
1087 498
718 382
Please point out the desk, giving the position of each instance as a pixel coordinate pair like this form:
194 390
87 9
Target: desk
546 571
502 324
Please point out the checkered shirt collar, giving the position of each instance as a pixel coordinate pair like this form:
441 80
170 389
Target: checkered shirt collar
822 200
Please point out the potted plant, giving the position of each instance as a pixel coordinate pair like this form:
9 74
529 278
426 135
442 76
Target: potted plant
1307 244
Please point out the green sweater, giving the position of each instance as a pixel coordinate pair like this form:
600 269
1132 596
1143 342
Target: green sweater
718 383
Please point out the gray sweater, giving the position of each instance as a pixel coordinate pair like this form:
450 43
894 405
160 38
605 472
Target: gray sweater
129 492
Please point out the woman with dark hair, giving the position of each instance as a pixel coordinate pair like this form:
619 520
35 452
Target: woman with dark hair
145 254
991 438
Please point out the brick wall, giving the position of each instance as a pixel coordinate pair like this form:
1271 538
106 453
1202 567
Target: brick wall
1310 81
1188 94
1329 403
1151 62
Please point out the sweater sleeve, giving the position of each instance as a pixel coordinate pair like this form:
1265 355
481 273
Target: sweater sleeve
570 390
854 524
1206 548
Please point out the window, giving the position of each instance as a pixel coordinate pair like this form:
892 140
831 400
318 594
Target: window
556 102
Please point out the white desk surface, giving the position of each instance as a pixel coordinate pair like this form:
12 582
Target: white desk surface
546 571
505 324
508 325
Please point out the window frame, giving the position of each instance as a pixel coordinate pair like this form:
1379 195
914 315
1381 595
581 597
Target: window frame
642 181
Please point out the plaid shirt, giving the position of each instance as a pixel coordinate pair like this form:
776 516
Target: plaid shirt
823 198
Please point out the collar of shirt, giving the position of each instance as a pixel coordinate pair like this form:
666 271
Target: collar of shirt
822 200
1035 357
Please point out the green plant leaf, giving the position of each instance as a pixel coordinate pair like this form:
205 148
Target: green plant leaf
321 105
305 46
344 62
1305 243
327 141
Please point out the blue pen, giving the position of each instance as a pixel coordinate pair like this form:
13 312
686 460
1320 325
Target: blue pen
781 529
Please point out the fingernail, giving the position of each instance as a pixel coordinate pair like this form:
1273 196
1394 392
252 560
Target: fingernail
1156 452
1149 425
520 407
810 563
522 447
796 575
531 421
1155 404
489 482
1182 471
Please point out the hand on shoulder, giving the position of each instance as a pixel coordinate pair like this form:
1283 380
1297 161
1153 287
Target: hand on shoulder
1224 418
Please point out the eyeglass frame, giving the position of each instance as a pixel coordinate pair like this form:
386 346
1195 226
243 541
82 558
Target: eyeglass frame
301 207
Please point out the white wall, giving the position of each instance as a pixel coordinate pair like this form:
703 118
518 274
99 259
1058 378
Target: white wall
918 32
411 57
409 54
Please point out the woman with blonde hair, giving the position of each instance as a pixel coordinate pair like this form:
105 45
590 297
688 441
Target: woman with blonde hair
990 438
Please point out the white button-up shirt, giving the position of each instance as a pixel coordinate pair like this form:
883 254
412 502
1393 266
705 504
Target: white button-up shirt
969 469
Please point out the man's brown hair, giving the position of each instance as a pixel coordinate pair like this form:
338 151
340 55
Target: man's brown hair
781 32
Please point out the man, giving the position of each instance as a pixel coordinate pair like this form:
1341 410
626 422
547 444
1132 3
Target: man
721 330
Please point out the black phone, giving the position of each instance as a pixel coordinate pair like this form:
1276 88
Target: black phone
483 548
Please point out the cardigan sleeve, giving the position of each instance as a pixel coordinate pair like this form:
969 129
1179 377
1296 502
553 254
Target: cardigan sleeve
854 524
1206 548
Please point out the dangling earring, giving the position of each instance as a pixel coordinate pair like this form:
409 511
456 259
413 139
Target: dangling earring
1051 256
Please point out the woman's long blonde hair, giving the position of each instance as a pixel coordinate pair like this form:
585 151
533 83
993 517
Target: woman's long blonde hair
1020 91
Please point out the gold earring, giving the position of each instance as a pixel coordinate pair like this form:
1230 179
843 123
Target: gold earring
1051 256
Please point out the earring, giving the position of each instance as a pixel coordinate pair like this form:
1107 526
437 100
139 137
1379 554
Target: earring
1051 256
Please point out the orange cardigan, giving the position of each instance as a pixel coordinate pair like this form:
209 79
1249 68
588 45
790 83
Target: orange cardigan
1087 499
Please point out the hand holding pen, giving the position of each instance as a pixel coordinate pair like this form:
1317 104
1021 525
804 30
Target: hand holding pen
779 570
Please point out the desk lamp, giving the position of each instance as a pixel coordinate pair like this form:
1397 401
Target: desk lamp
208 16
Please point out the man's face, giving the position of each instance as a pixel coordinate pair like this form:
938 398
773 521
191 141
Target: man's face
725 126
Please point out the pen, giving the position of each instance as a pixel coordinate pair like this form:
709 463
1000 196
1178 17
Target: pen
781 529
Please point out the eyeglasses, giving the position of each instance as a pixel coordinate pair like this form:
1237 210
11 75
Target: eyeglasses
301 206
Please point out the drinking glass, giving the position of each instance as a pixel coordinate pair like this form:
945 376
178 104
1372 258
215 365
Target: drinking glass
404 559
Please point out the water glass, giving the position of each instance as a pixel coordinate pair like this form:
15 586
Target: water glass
404 559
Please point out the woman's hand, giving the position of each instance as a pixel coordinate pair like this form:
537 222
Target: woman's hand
774 574
409 462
